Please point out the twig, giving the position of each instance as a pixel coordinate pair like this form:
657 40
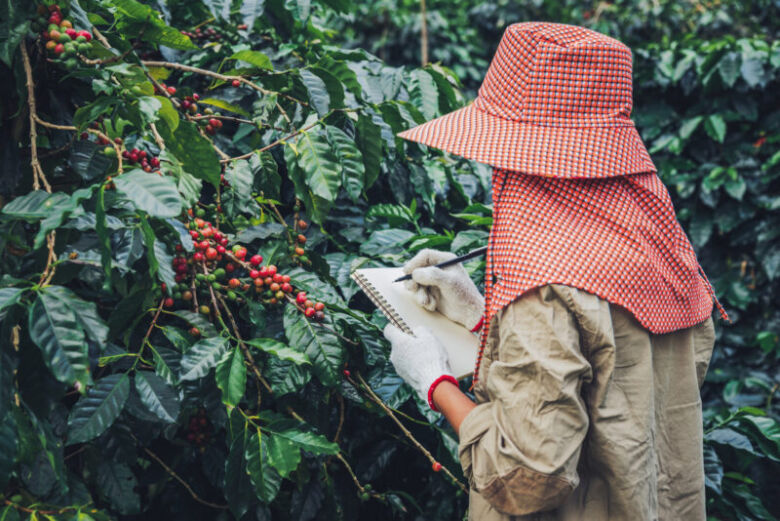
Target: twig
341 419
223 77
36 511
403 428
771 395
423 34
157 137
70 128
225 118
186 485
100 37
38 175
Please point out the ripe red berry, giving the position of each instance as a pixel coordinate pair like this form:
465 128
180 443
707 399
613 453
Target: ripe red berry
234 283
215 122
309 304
275 287
285 278
277 277
194 234
256 260
436 466
286 287
264 271
240 253
271 270
300 298
168 302
59 49
347 373
195 332
253 274
211 253
171 90
299 251
197 256
182 268
301 238
309 312
195 96
204 244
319 306
236 83
221 249
230 267
302 224
86 34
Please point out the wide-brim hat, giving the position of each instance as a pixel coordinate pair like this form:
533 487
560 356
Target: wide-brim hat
555 102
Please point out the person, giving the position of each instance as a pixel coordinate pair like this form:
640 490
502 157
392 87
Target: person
596 326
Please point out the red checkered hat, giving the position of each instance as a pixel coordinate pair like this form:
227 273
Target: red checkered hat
553 117
556 102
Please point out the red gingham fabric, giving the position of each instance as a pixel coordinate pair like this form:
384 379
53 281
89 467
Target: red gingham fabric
556 101
576 198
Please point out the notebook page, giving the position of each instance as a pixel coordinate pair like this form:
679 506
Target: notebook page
461 344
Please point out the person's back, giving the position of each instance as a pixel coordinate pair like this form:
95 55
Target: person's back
585 415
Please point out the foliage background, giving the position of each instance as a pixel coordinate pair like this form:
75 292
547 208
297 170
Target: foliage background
706 78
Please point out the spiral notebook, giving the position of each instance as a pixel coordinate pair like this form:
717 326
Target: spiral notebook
401 309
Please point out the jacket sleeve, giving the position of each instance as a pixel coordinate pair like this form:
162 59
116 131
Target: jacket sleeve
520 450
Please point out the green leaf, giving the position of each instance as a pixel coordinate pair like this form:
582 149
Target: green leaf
279 350
283 455
224 105
96 411
159 397
254 58
35 205
238 489
201 358
251 10
321 173
9 297
117 484
14 24
264 477
231 377
689 126
88 160
150 193
715 127
369 141
56 331
423 93
318 91
219 8
88 317
8 448
206 328
320 345
154 30
351 161
195 153
168 112
728 67
308 441
240 177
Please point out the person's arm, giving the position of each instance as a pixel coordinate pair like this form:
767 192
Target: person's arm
452 403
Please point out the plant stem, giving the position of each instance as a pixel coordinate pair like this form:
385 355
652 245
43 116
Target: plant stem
376 399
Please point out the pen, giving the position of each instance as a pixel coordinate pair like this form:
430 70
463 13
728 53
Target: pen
456 260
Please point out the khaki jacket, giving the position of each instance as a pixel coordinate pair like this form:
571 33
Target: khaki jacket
584 415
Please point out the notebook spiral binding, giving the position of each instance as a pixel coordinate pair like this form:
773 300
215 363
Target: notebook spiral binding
380 302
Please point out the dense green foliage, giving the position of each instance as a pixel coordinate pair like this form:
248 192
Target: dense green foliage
112 406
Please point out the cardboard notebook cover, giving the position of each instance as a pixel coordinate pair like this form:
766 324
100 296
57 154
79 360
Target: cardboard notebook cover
400 307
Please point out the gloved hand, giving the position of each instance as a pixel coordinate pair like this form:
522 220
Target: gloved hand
420 359
450 291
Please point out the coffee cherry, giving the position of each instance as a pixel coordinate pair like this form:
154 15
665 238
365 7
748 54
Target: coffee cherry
302 224
319 306
256 260
275 287
300 298
308 304
319 316
301 238
197 256
299 251
236 83
254 274
286 287
205 310
285 278
186 296
277 277
309 312
436 466
346 373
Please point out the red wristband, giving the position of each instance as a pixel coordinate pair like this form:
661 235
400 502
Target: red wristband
479 325
442 378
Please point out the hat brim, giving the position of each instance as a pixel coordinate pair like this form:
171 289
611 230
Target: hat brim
549 151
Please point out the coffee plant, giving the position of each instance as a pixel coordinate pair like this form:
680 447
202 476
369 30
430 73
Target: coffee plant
186 186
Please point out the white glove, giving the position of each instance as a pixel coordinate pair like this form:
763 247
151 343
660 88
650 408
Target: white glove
450 291
420 359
